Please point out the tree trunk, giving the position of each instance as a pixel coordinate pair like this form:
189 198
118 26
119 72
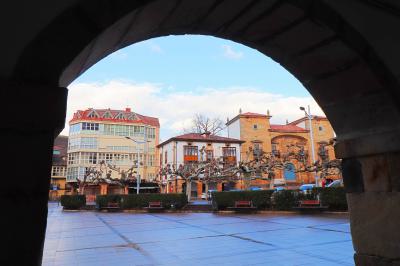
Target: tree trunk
189 189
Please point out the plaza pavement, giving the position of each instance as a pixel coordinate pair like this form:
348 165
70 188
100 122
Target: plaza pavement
97 238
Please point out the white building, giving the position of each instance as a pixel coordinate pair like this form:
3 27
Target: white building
184 149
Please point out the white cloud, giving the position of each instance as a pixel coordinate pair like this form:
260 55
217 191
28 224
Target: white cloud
155 48
228 52
175 109
119 55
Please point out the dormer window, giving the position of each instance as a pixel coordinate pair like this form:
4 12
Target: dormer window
131 116
107 115
119 116
93 114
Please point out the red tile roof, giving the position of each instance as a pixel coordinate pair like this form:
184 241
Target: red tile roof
246 115
287 128
253 114
201 138
316 117
61 145
83 115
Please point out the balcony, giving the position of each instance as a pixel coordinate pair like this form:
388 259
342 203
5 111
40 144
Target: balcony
257 152
276 153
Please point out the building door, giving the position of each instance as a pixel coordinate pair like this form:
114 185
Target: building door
289 172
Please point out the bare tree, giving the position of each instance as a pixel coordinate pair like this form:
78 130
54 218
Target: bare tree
203 124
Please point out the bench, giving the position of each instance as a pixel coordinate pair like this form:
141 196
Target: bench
155 206
310 205
243 205
111 206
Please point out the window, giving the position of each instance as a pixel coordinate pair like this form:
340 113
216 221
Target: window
229 155
88 143
107 115
165 158
58 171
119 116
255 126
56 152
73 143
75 128
274 146
321 128
151 132
209 155
229 152
151 176
93 114
88 158
90 126
191 154
73 158
72 173
151 160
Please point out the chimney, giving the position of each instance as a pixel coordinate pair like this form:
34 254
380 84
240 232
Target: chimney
206 134
128 109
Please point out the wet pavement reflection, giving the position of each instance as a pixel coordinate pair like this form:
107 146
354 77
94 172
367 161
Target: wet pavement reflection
97 238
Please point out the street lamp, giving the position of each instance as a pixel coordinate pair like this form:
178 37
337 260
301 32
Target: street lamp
309 116
138 162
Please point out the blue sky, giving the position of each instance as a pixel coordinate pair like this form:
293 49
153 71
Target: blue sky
175 77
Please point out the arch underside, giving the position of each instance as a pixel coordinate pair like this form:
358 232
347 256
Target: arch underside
345 53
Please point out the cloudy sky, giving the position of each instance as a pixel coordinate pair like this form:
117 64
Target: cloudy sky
175 77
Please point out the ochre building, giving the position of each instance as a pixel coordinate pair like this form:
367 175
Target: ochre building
260 136
58 168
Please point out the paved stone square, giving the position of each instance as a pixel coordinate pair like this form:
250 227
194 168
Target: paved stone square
97 238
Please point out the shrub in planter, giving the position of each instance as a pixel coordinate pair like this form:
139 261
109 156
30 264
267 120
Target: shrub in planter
103 200
285 199
73 202
334 198
134 201
222 200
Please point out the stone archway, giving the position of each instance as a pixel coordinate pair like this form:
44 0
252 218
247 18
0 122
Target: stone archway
344 52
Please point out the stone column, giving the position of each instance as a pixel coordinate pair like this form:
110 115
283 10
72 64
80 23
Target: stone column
371 173
31 117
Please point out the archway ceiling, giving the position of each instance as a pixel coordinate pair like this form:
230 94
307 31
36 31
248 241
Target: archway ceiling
348 62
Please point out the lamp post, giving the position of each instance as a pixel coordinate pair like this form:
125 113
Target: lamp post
138 162
309 116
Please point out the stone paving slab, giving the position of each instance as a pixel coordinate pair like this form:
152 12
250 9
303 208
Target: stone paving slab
97 238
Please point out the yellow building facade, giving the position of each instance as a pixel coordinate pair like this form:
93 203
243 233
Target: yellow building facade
119 138
262 137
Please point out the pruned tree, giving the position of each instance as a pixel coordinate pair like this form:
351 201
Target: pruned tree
203 124
103 174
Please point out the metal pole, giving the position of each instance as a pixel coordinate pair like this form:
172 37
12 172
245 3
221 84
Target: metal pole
138 171
312 143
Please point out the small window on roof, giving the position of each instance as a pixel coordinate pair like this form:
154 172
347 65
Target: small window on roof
93 114
120 116
107 115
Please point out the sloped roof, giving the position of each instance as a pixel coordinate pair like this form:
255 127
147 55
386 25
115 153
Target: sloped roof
287 128
201 138
246 115
316 117
137 118
61 145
